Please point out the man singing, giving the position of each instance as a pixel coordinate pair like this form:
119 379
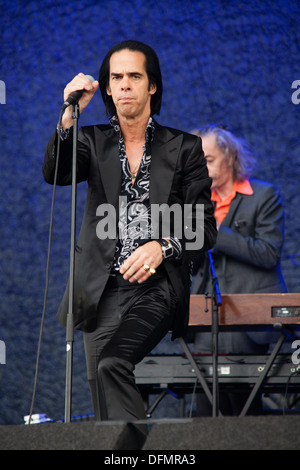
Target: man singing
130 290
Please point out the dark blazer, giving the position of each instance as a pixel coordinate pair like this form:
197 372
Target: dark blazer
248 247
178 175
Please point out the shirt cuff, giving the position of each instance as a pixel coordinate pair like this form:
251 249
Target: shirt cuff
64 134
177 248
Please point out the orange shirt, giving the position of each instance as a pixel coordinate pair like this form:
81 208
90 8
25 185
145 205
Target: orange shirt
222 207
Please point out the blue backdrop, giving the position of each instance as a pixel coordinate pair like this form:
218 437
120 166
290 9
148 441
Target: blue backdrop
232 62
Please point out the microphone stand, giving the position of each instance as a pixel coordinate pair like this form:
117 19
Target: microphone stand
216 302
70 315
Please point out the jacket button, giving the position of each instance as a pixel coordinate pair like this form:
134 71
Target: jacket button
108 265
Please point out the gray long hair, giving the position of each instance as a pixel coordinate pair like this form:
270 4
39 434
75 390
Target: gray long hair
235 150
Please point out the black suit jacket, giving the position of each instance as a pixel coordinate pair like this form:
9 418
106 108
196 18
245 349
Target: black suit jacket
178 176
248 247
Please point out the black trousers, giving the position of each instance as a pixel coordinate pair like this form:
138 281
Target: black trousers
132 319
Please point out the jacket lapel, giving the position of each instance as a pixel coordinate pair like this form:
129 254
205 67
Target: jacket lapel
232 210
164 156
107 146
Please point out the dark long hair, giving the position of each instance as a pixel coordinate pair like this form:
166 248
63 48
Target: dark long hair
152 69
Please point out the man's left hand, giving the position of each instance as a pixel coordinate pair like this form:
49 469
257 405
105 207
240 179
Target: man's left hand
142 263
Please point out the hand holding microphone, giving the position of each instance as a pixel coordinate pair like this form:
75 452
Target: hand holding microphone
81 89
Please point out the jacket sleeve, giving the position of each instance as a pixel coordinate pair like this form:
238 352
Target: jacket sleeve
261 246
64 170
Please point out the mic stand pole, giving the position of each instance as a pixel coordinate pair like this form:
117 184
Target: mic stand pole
70 316
216 303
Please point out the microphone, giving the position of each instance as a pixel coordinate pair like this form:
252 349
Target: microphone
74 97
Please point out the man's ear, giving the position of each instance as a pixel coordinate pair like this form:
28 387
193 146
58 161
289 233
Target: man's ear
153 88
108 91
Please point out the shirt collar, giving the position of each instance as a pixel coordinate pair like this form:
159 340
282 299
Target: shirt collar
150 128
242 187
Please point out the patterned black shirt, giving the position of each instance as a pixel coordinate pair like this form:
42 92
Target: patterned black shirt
135 213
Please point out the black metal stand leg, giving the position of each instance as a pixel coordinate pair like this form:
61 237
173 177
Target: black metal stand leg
261 379
155 403
196 369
